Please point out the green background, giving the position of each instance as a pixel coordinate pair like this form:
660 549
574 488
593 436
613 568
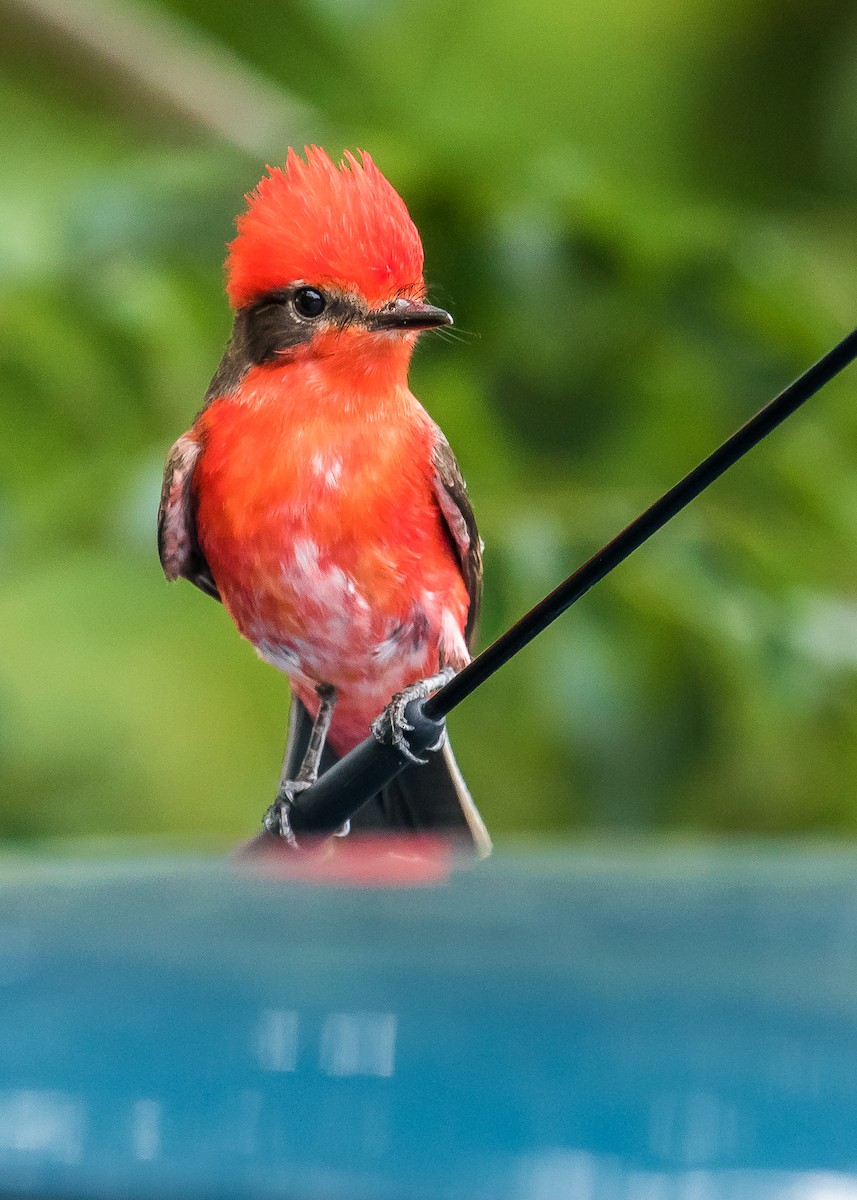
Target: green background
641 215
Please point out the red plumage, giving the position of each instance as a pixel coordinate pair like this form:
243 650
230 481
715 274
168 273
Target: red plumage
314 495
322 531
315 222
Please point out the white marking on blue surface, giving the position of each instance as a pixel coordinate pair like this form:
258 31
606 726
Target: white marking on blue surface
573 1174
43 1123
275 1042
146 1130
359 1043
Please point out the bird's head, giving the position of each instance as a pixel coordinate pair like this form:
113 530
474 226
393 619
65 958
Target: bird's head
328 262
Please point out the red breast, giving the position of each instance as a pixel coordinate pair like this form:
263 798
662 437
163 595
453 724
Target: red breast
317 514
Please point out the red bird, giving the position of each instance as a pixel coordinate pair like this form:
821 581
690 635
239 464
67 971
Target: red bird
314 495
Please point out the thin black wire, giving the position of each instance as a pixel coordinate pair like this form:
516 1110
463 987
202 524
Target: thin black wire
640 530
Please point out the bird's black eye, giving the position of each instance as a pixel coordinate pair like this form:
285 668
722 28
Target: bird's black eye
309 303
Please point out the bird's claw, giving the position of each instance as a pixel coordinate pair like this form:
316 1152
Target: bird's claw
276 819
391 726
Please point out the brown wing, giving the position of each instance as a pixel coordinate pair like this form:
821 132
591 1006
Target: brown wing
178 546
451 492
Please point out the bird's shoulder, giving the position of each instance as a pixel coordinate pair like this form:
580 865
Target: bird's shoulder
178 544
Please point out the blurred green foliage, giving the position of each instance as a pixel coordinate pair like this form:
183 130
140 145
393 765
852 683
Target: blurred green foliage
642 216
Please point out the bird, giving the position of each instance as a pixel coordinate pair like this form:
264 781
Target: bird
316 498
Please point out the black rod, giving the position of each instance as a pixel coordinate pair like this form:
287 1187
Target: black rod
640 530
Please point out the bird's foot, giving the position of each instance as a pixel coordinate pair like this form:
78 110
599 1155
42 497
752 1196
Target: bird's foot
276 819
393 727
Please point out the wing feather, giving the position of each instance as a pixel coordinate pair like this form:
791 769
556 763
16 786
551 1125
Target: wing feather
178 545
451 492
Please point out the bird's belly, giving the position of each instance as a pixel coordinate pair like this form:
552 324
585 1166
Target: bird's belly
332 631
328 625
356 612
335 563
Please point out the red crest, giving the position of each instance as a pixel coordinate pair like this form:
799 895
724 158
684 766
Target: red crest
317 223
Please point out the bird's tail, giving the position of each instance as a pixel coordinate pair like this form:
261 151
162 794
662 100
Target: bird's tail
429 798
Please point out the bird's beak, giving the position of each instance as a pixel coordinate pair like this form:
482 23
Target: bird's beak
410 314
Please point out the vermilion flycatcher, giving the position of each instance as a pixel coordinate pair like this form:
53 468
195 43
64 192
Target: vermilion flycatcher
314 495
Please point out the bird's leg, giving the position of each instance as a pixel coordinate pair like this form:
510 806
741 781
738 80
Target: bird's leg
321 727
391 725
276 818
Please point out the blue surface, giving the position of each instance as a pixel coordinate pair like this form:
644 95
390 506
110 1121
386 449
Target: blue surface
580 1026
